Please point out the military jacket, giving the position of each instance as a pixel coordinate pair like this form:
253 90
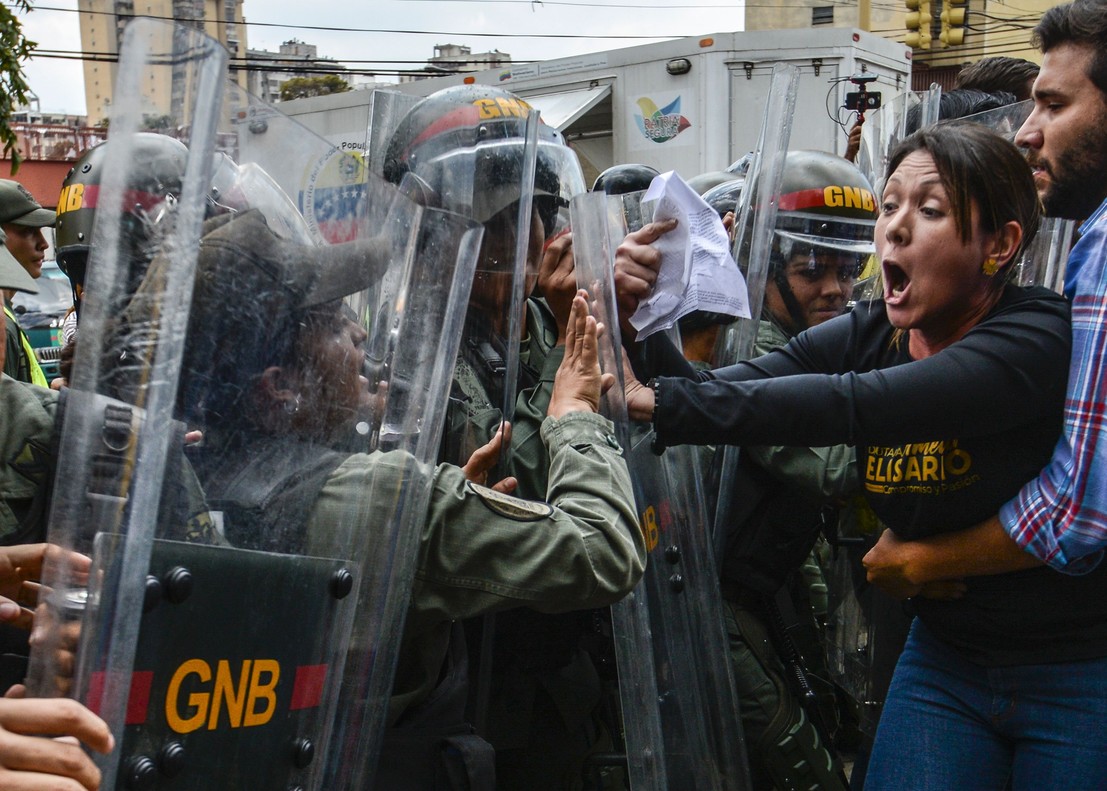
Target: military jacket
480 552
27 417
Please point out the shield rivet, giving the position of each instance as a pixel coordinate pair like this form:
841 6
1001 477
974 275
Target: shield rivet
140 774
302 752
342 582
178 584
171 759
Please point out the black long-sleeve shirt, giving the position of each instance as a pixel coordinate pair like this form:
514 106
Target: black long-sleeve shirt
941 444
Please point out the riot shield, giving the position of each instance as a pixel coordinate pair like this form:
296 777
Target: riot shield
114 448
264 620
895 120
753 243
680 709
386 110
476 155
1043 262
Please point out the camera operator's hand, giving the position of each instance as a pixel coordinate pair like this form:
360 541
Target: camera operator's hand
578 383
29 762
853 144
636 267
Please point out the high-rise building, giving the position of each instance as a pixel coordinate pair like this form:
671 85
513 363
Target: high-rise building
102 23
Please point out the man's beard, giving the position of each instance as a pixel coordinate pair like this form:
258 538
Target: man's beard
1078 177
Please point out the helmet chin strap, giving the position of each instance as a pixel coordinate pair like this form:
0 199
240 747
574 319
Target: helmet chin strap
799 321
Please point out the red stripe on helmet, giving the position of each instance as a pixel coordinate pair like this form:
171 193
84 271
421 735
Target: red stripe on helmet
466 115
804 199
90 198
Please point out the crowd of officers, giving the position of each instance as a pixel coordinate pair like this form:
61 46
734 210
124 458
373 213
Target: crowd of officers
529 700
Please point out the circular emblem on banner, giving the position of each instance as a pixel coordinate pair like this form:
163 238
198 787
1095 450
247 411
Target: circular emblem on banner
334 195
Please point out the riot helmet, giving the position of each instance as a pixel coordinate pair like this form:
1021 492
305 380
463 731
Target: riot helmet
621 179
825 221
458 149
724 197
162 164
705 181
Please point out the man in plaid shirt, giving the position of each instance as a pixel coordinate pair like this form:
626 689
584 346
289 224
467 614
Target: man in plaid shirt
1059 518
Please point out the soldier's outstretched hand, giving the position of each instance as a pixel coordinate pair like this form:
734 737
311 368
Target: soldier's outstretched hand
579 383
486 457
29 762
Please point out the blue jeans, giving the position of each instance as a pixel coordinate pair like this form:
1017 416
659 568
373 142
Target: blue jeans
951 725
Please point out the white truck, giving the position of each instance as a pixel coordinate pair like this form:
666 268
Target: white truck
692 104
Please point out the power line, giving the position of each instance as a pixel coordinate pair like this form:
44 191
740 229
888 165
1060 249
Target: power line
404 31
339 29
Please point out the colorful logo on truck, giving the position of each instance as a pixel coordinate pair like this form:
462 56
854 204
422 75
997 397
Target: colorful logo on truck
660 124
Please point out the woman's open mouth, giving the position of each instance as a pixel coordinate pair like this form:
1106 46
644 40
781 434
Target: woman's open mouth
896 283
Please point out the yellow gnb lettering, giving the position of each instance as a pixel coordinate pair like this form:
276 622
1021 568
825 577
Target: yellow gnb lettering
225 691
250 701
197 700
650 530
848 197
501 108
263 692
71 198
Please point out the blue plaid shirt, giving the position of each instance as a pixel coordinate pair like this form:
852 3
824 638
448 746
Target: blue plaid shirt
1061 516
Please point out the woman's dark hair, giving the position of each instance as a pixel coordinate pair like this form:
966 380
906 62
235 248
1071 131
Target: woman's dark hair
978 166
1083 22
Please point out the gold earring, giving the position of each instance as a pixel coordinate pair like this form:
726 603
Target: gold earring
990 267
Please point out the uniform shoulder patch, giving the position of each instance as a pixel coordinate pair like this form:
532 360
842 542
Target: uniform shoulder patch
511 507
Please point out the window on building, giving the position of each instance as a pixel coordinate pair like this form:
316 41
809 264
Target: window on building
822 15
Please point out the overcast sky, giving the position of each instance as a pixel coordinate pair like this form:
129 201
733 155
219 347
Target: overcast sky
58 83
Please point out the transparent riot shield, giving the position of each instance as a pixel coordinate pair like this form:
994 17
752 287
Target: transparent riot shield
753 241
1043 261
478 157
386 110
884 128
119 443
1004 121
680 709
265 619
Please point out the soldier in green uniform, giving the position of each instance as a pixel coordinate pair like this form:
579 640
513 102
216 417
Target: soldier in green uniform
22 220
536 691
289 387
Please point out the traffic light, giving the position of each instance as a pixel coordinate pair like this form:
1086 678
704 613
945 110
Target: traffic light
953 23
918 22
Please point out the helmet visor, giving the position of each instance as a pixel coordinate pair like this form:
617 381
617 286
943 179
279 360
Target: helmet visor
854 236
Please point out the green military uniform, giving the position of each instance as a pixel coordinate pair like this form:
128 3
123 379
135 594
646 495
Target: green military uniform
773 720
545 691
481 552
26 433
529 461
